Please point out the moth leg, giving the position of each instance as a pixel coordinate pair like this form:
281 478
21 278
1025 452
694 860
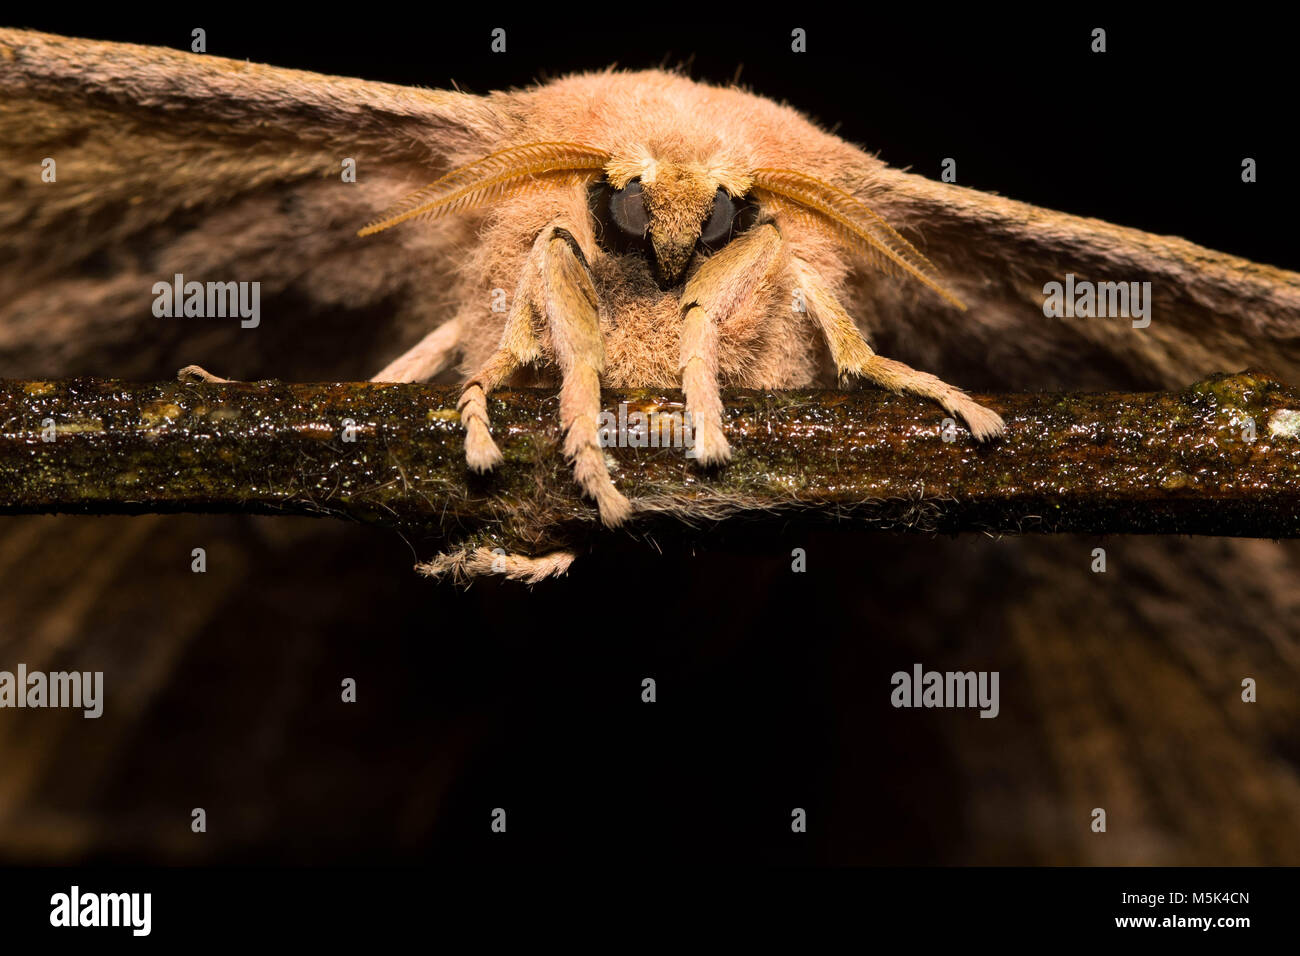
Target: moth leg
853 356
430 356
426 358
464 565
518 347
721 286
556 285
196 373
481 452
569 299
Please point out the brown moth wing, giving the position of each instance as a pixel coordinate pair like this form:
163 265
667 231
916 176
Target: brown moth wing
1211 312
220 170
1135 673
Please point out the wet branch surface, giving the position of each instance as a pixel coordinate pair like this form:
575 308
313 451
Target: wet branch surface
1219 457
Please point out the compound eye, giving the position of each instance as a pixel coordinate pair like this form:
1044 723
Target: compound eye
729 218
717 228
627 210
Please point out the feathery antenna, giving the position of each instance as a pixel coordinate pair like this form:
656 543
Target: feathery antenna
809 197
500 174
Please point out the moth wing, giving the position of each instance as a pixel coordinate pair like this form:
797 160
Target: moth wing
1208 311
166 163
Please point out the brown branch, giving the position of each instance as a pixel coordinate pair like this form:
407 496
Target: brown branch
1169 462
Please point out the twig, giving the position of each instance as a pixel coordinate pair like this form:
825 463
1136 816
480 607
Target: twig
1221 457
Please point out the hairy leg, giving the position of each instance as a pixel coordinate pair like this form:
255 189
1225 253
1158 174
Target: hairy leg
518 347
427 358
556 286
196 373
573 319
722 285
461 566
853 356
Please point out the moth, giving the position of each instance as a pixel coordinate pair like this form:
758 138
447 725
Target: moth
640 228
168 163
667 258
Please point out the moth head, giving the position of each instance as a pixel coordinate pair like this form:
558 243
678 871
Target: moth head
668 210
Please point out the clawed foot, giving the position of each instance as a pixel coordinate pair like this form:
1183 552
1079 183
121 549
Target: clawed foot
984 423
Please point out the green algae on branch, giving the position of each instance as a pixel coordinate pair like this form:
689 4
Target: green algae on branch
1220 457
